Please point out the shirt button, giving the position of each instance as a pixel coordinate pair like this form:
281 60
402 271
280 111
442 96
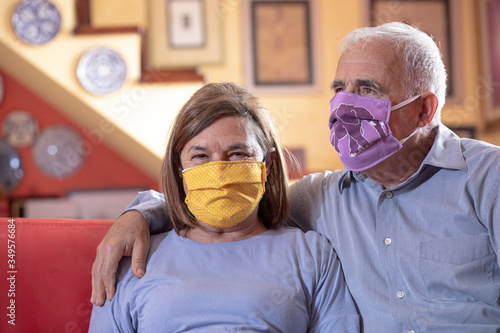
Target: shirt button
411 331
401 294
388 195
387 241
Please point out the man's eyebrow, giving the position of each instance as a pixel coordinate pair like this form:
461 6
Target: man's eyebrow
358 83
367 83
336 83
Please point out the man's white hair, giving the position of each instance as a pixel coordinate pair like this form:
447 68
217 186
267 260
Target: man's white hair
419 55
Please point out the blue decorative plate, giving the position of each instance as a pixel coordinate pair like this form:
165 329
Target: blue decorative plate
101 71
36 21
58 151
11 171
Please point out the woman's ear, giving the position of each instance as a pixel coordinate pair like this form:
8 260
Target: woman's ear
429 107
271 155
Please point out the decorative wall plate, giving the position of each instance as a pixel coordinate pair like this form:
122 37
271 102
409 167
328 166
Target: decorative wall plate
58 151
19 128
36 21
11 171
101 70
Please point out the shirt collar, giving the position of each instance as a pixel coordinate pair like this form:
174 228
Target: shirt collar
345 179
446 153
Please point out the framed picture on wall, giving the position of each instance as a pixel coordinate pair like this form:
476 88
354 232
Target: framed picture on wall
438 18
184 33
490 46
281 48
186 23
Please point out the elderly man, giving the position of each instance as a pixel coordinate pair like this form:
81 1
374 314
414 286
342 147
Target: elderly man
413 216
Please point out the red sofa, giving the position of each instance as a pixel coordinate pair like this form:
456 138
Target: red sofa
46 273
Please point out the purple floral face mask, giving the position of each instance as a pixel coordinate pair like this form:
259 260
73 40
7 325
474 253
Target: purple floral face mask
359 129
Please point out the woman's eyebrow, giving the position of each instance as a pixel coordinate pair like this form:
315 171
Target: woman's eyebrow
197 147
239 145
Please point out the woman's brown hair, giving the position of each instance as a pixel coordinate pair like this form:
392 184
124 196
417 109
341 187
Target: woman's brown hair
209 103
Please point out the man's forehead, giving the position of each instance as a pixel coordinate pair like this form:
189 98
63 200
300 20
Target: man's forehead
364 61
379 51
368 63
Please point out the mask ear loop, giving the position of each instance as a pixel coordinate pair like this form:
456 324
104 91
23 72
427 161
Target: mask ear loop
400 105
402 141
265 158
405 103
181 169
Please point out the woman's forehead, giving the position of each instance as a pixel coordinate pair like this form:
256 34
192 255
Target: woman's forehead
225 132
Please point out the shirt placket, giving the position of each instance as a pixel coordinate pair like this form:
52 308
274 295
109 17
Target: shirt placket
389 240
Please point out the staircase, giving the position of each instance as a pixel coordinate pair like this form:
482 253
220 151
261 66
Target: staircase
138 114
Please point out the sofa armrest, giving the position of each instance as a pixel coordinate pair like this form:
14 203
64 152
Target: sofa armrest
47 263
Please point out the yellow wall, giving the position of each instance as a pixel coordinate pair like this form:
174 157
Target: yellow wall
302 118
112 13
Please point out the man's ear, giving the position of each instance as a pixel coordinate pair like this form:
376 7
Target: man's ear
429 107
271 155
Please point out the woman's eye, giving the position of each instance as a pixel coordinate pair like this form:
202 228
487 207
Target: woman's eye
199 156
239 155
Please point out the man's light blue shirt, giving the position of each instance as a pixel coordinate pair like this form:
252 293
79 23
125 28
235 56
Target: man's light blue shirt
418 257
421 256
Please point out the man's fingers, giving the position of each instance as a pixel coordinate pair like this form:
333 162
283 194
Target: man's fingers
139 254
113 255
129 235
98 292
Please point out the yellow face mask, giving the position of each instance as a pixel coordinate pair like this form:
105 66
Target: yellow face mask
222 194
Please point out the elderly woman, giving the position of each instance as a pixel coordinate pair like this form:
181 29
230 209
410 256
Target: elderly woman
229 266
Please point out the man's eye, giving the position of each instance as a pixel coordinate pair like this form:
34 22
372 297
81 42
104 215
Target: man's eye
338 89
367 91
